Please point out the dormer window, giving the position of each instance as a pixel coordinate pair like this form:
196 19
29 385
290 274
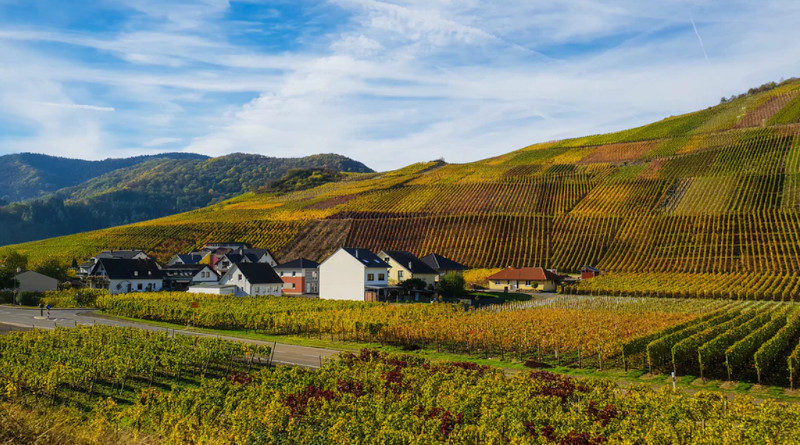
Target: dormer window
135 273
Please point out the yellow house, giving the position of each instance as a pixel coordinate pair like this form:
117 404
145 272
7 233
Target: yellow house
523 279
404 266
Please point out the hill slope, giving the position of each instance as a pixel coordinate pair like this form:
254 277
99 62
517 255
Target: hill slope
30 175
151 189
706 203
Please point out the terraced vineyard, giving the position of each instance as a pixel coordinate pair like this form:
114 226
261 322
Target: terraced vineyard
703 204
753 341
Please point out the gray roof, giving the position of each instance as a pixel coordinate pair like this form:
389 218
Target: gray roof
409 261
259 273
122 254
439 262
301 263
365 256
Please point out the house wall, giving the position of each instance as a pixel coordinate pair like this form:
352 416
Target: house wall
587 274
35 282
212 290
210 276
147 285
380 276
305 280
342 277
522 285
294 285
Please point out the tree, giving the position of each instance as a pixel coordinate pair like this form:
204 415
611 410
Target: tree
413 284
451 285
52 268
15 261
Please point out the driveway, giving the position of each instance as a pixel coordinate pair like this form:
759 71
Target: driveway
14 318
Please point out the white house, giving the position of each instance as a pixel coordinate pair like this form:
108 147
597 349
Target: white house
180 276
30 281
253 279
353 274
126 275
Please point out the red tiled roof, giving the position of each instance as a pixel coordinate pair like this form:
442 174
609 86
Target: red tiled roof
525 273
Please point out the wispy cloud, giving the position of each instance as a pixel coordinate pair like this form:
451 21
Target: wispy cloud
387 82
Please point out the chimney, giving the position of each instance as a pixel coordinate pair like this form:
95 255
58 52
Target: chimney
409 265
356 253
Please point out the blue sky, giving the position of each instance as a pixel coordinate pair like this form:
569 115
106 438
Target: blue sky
385 82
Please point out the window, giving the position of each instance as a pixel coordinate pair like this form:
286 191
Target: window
135 273
281 273
292 285
497 283
294 273
239 277
386 259
370 277
528 282
119 286
381 277
139 286
399 274
314 274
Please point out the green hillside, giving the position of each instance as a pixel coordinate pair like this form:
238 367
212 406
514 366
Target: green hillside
30 175
154 188
702 204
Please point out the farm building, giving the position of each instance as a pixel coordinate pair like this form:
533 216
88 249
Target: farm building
353 274
299 276
30 281
589 272
524 279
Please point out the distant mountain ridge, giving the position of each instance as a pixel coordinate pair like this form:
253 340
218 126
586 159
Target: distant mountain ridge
146 187
30 175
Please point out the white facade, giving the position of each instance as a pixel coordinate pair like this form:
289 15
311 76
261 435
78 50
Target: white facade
235 277
134 285
215 289
344 277
30 281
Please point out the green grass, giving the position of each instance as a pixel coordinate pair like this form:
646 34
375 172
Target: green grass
505 296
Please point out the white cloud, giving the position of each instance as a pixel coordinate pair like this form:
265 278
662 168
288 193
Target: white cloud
399 81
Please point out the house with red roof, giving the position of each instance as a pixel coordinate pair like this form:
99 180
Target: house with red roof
525 279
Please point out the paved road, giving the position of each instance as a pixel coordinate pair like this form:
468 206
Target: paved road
26 318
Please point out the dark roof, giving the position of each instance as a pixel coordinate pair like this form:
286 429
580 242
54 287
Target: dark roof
439 262
259 273
124 269
252 257
590 268
301 263
365 256
255 251
525 273
185 270
409 261
190 258
123 254
234 258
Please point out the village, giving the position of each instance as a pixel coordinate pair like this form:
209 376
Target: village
237 269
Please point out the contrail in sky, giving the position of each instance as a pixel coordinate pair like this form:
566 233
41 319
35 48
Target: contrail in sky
699 39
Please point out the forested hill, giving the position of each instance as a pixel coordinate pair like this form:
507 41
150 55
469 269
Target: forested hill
30 175
156 187
706 203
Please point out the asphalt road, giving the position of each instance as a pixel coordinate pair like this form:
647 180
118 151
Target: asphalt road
13 318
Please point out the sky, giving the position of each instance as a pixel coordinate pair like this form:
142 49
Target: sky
387 83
